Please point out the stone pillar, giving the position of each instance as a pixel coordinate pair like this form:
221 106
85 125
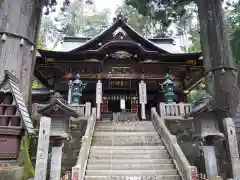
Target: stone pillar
143 98
42 149
210 161
98 98
88 109
233 146
56 160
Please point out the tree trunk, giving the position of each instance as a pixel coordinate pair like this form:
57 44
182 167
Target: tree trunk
218 57
219 65
20 21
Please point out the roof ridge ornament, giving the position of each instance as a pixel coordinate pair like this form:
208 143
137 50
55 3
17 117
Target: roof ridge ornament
121 16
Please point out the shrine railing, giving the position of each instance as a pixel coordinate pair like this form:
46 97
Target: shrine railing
79 170
174 110
187 171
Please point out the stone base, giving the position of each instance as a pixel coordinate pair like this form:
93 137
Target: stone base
12 173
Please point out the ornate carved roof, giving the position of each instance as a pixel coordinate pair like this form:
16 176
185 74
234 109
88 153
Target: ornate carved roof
57 106
118 32
11 98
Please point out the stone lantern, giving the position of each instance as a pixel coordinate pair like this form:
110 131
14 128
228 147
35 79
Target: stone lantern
60 115
207 132
168 87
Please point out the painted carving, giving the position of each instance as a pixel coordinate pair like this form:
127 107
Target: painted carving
121 55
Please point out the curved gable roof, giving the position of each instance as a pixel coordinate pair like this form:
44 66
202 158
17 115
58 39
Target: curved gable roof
120 23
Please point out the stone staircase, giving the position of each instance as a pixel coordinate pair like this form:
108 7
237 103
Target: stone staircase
128 150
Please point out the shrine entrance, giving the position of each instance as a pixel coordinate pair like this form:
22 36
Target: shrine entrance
111 103
114 105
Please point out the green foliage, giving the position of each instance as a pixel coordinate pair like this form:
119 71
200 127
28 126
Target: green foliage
197 93
164 11
36 85
80 19
144 25
233 21
28 168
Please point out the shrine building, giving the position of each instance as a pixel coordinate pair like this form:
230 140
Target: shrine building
120 58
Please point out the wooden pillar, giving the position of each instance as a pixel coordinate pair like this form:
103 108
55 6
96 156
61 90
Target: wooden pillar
134 105
56 160
42 149
105 106
18 34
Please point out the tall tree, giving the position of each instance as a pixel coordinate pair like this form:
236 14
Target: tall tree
18 32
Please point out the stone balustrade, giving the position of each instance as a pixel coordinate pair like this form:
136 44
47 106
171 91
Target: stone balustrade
187 171
82 109
174 111
79 169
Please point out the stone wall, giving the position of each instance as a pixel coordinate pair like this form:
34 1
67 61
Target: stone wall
13 173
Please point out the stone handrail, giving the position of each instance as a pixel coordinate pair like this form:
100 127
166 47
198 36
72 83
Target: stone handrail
187 171
79 170
82 109
173 110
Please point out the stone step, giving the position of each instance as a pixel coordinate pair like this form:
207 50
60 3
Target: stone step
130 161
130 172
160 177
130 122
127 139
130 166
124 129
128 151
121 125
110 134
128 156
127 147
125 143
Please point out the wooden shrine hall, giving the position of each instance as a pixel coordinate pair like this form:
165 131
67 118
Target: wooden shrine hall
120 58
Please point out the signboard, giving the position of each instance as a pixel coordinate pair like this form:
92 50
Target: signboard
142 93
42 148
133 178
122 104
99 92
119 84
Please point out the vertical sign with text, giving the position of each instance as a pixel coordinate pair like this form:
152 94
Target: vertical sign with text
42 149
142 93
99 92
